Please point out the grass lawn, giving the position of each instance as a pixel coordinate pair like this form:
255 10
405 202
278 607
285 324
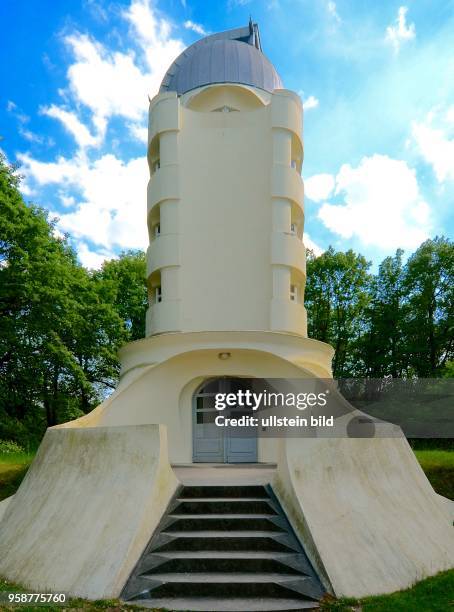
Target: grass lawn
73 604
13 467
439 468
434 594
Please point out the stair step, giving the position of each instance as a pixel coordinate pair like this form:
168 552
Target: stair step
229 577
224 522
224 548
218 506
221 534
225 491
294 566
222 499
227 604
226 543
222 516
225 554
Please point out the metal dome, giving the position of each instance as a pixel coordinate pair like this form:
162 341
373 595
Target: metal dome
234 56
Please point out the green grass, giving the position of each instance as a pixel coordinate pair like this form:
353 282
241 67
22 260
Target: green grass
439 468
114 605
13 467
434 594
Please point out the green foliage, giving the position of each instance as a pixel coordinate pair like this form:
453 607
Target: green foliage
399 322
126 278
60 325
8 447
337 293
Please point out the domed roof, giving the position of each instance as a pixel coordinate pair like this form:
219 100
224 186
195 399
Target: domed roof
229 57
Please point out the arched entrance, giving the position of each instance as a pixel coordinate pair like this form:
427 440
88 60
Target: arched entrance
212 443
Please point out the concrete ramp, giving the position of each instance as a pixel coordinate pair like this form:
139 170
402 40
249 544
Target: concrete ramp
86 509
368 516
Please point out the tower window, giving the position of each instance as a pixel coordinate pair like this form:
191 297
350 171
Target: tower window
157 230
293 293
225 109
157 295
293 228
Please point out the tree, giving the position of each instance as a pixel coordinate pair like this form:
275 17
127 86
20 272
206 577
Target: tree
126 277
59 328
336 295
382 347
429 285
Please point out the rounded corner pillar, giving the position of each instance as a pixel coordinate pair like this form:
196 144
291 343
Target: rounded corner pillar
163 114
163 201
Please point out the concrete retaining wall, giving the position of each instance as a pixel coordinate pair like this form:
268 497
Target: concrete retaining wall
367 513
86 509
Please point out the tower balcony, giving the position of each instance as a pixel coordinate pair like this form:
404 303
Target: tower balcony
286 113
163 317
164 114
163 185
287 183
163 252
288 250
287 316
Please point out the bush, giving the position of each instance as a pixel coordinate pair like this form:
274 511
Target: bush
8 447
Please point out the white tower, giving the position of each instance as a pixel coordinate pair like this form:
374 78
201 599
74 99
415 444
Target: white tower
225 197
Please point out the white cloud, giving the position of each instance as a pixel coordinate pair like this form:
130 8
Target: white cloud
113 83
319 187
310 244
311 102
434 140
109 83
71 123
332 10
154 37
195 27
111 208
400 32
382 204
102 197
67 200
92 259
30 136
139 132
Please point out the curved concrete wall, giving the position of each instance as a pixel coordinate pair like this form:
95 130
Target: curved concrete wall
86 509
368 515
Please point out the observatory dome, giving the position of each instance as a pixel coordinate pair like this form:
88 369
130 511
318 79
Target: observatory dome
234 56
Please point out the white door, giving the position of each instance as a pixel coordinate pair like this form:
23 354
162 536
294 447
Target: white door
215 444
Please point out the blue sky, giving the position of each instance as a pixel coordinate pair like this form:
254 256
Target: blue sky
377 82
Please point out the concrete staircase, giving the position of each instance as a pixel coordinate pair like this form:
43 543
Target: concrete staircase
224 548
